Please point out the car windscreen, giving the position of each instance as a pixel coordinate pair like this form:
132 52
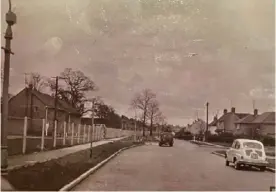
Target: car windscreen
252 145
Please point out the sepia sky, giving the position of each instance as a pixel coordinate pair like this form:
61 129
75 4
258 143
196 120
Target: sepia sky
128 45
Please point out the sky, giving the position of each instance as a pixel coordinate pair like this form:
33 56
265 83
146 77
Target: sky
187 51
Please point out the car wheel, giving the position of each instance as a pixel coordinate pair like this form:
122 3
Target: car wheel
237 165
262 169
160 144
227 162
171 144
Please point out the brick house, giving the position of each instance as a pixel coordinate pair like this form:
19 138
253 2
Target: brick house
263 124
37 106
226 123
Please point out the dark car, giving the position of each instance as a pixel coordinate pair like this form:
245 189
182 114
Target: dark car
166 138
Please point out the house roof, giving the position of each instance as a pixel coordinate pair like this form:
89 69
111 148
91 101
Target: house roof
267 117
246 119
50 102
213 123
239 115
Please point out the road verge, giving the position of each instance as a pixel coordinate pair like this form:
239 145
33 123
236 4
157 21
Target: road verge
54 174
75 182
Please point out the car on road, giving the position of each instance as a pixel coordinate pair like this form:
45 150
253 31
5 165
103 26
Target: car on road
246 152
166 138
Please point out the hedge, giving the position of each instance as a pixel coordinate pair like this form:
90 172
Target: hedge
229 138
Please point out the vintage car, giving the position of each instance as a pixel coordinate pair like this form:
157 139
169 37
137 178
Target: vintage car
246 152
166 138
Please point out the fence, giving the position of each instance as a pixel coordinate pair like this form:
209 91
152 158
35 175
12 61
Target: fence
41 136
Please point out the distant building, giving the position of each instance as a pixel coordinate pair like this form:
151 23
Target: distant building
197 127
212 127
226 123
251 125
37 106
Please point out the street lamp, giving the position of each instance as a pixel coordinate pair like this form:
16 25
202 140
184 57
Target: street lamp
11 20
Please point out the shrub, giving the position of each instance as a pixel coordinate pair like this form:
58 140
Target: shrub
267 141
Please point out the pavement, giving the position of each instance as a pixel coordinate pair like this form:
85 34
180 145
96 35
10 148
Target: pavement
183 167
29 159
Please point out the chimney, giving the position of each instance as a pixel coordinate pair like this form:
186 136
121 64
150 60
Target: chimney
255 112
224 111
233 109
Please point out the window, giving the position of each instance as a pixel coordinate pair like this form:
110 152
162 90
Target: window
252 145
234 144
237 145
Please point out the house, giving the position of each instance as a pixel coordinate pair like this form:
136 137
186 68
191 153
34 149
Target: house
245 126
212 127
37 106
251 125
197 127
226 123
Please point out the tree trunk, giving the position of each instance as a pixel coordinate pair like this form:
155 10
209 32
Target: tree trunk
144 124
151 122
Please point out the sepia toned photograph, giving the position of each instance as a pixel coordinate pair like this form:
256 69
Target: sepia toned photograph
138 95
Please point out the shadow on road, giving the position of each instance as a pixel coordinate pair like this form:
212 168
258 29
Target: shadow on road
247 168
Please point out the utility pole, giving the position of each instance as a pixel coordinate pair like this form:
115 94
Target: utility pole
207 106
55 110
92 122
11 20
56 99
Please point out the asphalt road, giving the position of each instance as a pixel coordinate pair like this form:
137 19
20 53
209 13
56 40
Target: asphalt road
184 166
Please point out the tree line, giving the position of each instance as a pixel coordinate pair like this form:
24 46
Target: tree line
73 87
148 108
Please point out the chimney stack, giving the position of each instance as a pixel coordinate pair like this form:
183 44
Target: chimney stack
224 111
233 109
255 112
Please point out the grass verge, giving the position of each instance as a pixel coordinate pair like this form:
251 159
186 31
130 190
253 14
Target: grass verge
54 174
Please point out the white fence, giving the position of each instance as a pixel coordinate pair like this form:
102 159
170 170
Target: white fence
63 134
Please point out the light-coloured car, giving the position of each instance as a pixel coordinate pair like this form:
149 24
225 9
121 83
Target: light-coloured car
246 152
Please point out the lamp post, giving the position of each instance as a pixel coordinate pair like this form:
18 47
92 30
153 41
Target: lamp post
11 20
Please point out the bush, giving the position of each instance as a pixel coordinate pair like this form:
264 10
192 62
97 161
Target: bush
268 141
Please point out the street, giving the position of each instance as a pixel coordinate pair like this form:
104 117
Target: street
184 166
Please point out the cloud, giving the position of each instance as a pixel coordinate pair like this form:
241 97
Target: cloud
125 46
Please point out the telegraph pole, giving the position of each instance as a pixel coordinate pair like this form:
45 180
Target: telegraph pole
207 106
56 99
92 122
11 20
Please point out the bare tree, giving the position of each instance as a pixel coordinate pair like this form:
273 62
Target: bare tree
36 81
153 113
77 84
142 101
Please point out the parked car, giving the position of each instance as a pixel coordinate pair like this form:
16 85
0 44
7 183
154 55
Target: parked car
166 138
246 152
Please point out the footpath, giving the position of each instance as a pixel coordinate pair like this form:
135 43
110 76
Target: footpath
30 159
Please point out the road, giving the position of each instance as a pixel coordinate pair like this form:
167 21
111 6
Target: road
183 167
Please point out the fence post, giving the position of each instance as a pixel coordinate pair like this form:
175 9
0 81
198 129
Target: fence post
55 134
83 133
79 126
87 135
42 134
72 134
64 133
89 131
25 134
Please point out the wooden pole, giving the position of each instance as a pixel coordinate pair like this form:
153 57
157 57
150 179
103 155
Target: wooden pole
25 134
42 134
